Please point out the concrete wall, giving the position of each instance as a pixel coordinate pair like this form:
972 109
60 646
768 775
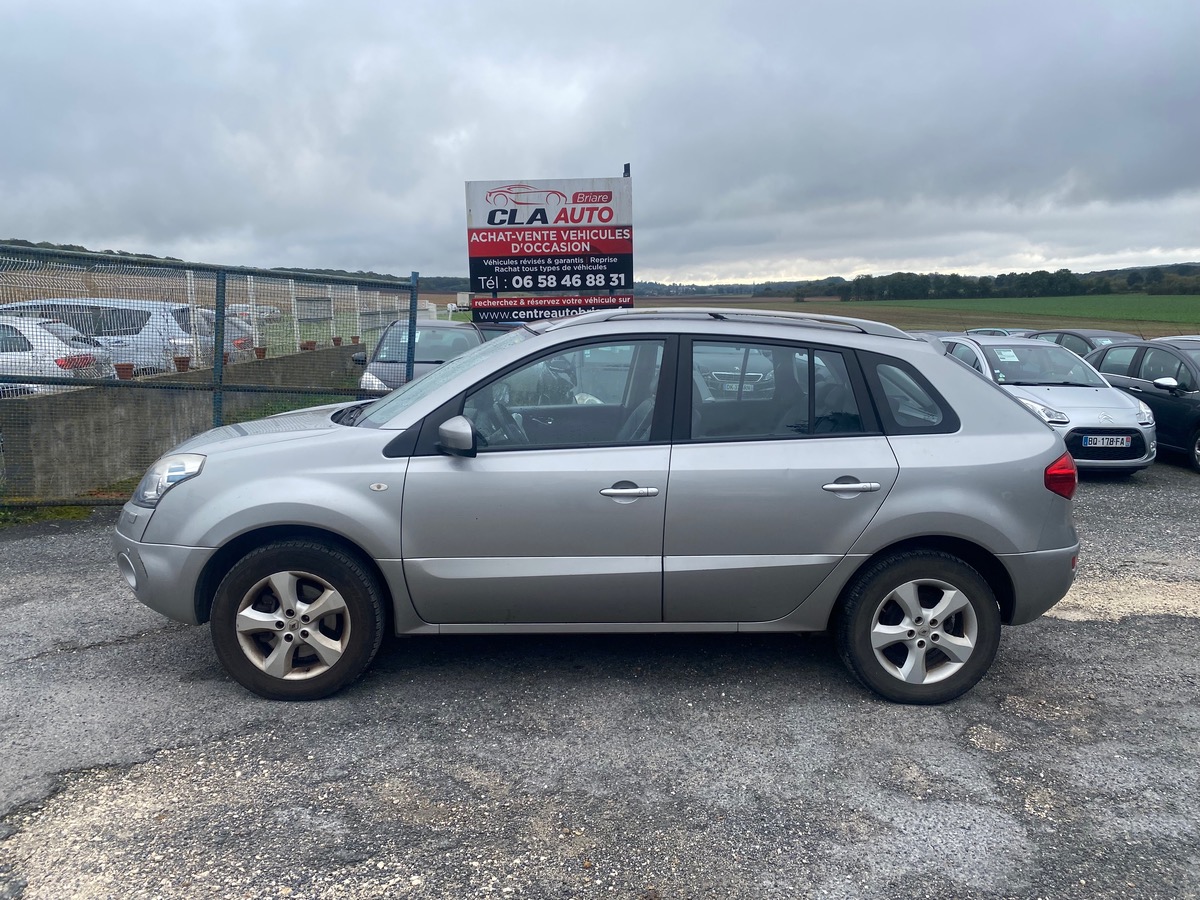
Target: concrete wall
65 445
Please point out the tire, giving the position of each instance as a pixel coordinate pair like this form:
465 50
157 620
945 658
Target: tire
892 635
1194 451
285 650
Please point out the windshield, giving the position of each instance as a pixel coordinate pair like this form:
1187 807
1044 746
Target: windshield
388 407
1047 364
432 344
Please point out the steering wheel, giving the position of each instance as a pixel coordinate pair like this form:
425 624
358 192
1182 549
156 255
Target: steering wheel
503 424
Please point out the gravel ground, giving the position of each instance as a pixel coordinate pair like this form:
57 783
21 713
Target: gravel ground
616 766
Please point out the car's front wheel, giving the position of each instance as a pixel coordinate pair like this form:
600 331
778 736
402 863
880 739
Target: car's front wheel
297 620
1194 456
919 627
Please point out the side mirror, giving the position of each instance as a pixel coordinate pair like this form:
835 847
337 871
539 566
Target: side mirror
1166 384
359 358
456 437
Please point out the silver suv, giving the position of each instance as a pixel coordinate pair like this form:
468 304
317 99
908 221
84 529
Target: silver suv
579 475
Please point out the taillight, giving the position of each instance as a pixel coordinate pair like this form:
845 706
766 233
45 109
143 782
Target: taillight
1062 477
78 361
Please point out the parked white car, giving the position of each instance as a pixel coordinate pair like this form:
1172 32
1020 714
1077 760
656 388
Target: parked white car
146 333
45 348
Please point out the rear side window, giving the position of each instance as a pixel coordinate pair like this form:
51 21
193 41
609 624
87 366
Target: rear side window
758 391
12 341
907 402
967 355
1159 364
1116 361
1077 345
112 322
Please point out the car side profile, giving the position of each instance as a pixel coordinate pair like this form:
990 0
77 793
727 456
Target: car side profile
1104 428
579 475
1165 375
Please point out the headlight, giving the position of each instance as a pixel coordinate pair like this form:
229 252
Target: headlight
1145 414
369 382
1047 414
164 475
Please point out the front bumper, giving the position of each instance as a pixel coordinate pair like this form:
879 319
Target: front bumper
163 576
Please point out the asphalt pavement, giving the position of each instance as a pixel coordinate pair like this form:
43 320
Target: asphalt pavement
609 766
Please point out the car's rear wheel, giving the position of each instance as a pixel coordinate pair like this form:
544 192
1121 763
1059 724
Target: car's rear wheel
297 620
919 627
1194 455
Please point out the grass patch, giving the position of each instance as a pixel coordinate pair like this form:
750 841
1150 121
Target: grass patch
1141 314
12 515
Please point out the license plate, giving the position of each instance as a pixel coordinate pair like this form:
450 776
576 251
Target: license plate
1107 440
746 388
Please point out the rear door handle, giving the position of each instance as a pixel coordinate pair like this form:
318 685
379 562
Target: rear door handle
851 487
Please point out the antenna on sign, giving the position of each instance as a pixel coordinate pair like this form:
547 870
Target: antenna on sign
626 170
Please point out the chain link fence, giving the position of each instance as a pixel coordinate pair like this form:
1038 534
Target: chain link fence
106 362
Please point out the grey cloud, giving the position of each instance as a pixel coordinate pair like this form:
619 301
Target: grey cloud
768 140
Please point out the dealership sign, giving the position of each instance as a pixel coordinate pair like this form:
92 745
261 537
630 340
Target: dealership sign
551 236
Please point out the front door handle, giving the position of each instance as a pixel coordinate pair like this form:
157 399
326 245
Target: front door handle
629 493
851 487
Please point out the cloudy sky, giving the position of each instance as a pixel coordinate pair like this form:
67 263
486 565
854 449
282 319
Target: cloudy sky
767 140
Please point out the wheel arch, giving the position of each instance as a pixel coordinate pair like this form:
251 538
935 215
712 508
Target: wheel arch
224 559
984 562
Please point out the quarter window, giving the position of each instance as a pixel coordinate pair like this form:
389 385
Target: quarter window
908 403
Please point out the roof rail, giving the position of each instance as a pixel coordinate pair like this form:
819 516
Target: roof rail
863 326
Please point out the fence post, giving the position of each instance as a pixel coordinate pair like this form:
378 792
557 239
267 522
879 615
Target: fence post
219 354
412 327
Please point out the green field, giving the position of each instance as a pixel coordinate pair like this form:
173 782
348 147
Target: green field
1149 316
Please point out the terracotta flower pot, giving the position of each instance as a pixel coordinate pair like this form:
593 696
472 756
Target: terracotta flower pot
354 338
337 342
308 345
260 352
124 371
183 363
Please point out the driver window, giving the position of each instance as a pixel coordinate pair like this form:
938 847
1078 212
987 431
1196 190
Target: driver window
595 394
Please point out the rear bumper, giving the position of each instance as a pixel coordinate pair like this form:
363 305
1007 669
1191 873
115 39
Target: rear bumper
1040 580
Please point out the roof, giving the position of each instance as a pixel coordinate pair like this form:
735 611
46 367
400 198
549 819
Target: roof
762 316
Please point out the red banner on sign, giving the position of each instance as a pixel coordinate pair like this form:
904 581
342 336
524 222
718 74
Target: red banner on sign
517 242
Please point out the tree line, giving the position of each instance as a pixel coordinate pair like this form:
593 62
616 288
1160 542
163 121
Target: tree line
1181 279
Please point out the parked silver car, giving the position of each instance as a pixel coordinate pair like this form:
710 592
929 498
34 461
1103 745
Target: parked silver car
432 344
1104 428
46 348
877 493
